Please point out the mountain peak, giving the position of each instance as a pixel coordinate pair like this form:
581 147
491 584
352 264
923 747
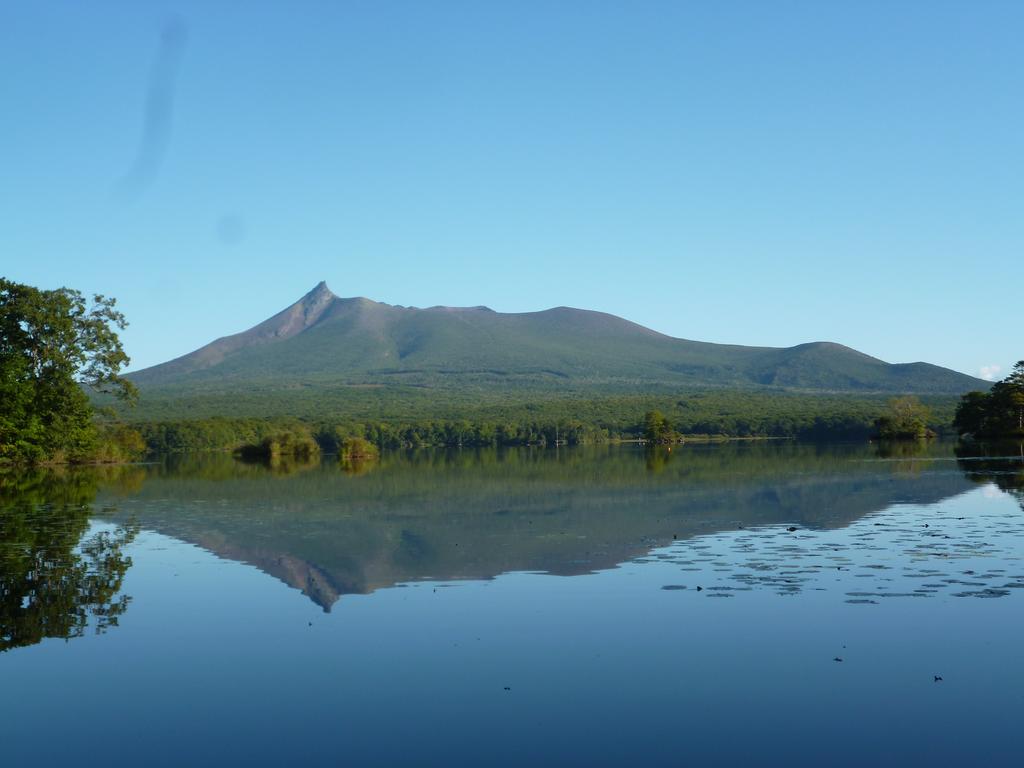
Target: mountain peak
320 290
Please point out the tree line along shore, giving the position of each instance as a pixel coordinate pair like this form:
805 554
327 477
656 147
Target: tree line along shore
697 417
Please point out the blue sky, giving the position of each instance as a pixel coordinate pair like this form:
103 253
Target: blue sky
762 173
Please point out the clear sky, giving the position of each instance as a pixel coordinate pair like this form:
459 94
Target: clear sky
764 173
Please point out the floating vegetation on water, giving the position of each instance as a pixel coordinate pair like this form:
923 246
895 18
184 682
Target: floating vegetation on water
894 551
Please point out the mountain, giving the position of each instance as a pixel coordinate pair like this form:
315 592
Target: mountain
326 341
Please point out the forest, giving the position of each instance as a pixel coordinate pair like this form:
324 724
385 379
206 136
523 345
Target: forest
701 415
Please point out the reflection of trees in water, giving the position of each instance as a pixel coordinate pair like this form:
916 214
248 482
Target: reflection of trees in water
657 457
902 449
1001 463
54 579
905 455
357 466
284 465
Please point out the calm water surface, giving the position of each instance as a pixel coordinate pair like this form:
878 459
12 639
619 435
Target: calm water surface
718 605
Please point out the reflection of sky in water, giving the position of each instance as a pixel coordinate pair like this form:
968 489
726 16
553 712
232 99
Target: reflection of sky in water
991 491
218 663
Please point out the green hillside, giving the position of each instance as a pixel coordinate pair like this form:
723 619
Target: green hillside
332 348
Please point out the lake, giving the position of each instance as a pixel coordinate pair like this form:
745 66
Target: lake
735 604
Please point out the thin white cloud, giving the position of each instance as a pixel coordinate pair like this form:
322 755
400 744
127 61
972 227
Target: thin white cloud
989 372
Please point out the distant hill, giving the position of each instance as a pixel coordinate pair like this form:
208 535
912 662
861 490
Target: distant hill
323 341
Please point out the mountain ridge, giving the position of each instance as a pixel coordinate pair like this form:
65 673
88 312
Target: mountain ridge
326 338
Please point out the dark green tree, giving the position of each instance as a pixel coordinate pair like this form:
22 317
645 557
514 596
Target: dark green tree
997 413
1014 384
972 413
53 345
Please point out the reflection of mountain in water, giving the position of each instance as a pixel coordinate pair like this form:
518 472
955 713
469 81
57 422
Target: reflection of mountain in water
477 514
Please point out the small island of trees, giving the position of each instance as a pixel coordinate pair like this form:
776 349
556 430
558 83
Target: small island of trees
905 419
357 449
295 444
